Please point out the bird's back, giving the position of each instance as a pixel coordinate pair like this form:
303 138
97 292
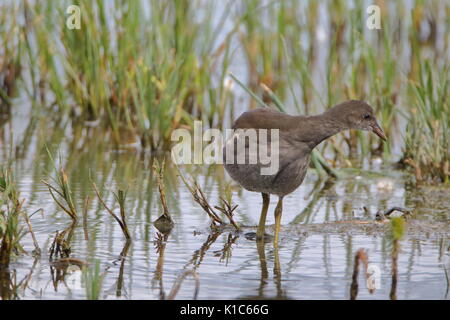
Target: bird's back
265 118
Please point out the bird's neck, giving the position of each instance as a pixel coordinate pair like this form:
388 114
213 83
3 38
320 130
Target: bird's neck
323 126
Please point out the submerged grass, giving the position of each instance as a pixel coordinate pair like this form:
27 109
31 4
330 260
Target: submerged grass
92 278
62 189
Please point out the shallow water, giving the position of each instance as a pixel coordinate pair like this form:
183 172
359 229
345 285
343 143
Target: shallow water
316 256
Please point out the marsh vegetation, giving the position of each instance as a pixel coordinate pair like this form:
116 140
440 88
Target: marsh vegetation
86 118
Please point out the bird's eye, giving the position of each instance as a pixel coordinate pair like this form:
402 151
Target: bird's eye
366 116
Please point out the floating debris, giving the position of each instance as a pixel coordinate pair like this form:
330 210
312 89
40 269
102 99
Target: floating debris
393 213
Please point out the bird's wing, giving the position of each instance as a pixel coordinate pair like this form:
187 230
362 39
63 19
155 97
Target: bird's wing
264 118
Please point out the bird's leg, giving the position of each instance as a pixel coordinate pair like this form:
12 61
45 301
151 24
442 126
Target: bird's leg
262 218
278 211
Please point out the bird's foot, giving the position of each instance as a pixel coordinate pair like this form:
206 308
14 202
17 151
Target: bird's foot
253 236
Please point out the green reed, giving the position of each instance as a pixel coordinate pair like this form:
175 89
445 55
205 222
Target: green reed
10 56
11 230
427 141
140 76
120 197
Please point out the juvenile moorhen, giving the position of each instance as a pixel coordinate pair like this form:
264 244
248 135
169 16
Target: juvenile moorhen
298 136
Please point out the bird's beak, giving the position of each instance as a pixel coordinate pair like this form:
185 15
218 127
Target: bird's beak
378 131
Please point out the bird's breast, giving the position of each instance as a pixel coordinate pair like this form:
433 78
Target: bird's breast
261 166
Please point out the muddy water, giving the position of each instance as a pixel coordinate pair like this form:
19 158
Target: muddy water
316 255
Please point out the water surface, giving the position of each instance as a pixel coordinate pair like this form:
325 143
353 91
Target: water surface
316 254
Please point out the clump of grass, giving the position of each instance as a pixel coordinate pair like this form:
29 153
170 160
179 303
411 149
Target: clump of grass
147 79
93 281
427 142
11 232
62 190
120 197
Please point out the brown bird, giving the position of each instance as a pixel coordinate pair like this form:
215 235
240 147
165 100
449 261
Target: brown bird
297 137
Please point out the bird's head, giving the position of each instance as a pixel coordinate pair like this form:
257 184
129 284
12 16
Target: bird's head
358 115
